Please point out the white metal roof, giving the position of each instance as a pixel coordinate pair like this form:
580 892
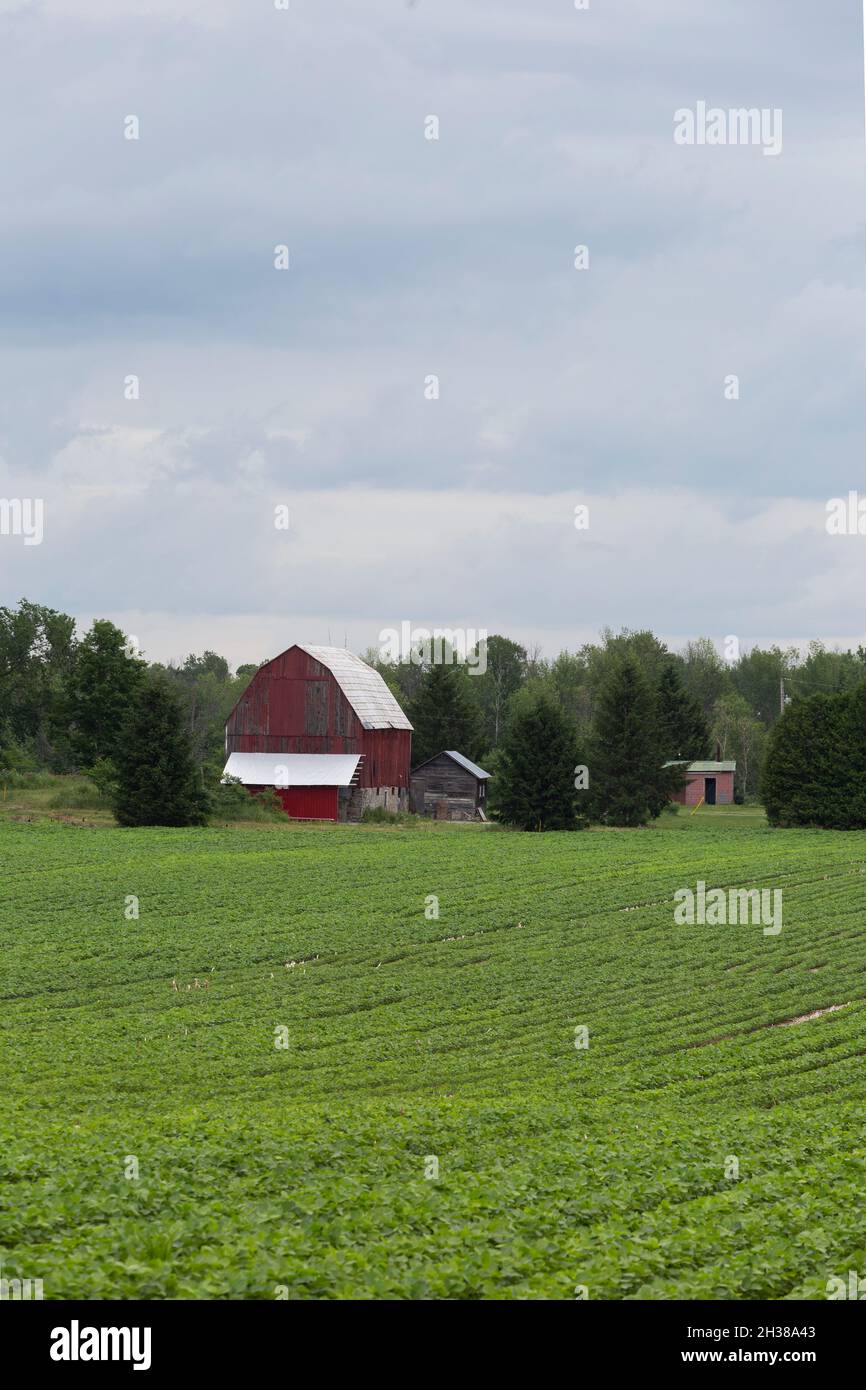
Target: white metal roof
363 687
467 763
292 769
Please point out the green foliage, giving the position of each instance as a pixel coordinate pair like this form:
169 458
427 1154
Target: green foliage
16 760
642 647
705 675
403 678
36 654
629 783
536 767
266 803
208 692
157 783
568 679
230 800
445 714
62 700
815 770
742 738
103 775
62 703
98 692
682 727
498 684
409 1037
756 679
377 815
78 794
229 797
26 777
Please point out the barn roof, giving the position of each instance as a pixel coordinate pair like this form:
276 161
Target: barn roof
458 758
363 687
298 769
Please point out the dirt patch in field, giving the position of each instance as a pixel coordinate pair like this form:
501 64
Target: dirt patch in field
805 1018
762 1028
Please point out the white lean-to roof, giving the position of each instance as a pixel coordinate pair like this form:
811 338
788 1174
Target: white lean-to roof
292 769
363 687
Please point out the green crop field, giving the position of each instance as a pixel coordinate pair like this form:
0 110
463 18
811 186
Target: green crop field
285 1078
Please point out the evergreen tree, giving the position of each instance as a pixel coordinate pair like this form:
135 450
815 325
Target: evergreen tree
854 749
535 782
628 780
98 693
157 782
682 726
445 714
816 763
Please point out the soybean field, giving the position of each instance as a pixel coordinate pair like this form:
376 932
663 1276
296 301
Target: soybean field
346 1062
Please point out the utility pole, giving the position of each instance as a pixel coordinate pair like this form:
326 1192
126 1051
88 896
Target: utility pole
783 699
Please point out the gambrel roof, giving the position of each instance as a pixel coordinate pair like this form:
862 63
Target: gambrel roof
363 687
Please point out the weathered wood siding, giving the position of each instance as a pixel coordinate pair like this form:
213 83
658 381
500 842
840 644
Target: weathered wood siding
443 780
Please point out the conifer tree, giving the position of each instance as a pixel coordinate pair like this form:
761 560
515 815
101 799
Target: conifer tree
628 780
157 783
682 727
535 782
815 767
445 714
855 750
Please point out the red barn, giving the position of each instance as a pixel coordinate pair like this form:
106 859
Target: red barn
307 710
712 781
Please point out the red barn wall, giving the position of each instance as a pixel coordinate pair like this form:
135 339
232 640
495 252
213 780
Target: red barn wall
305 803
309 803
295 705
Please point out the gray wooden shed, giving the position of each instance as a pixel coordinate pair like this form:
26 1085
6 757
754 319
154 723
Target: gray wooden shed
449 787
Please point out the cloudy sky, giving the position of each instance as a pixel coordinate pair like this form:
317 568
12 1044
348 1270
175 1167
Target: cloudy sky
411 258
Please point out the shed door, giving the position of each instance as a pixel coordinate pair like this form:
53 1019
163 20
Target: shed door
710 791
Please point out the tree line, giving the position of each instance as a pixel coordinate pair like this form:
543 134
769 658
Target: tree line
149 736
735 704
623 708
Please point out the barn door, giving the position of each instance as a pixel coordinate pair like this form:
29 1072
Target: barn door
710 791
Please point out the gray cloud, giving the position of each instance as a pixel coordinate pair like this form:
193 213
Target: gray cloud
412 257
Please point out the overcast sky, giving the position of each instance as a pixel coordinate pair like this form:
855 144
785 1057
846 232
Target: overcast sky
412 257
